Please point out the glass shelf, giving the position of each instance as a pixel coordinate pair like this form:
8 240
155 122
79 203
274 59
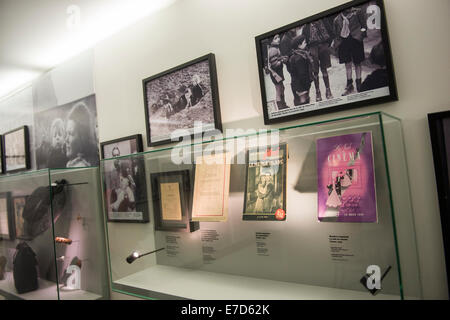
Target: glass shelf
56 213
298 257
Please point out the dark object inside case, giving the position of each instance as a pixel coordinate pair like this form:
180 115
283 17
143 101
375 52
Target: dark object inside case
25 269
37 214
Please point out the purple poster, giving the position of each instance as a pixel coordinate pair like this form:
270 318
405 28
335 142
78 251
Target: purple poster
346 181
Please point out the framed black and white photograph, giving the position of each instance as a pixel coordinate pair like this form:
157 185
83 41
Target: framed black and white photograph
439 124
124 185
182 99
66 135
6 217
16 150
172 200
335 60
121 147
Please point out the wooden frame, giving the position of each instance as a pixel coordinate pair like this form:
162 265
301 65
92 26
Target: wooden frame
168 100
301 104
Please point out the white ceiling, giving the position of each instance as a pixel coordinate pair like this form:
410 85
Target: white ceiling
36 35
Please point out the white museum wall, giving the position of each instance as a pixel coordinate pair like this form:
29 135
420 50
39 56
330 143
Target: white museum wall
420 45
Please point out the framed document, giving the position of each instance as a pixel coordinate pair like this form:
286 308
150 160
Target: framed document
211 188
171 193
265 190
6 217
171 201
16 148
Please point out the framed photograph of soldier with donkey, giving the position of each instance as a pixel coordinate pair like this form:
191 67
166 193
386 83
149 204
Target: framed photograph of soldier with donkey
332 61
182 101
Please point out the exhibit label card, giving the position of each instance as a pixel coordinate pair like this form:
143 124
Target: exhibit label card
346 180
265 191
211 188
171 201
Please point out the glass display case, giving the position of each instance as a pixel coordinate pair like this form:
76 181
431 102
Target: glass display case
314 211
52 244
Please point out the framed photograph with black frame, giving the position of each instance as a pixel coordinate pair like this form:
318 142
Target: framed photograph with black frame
16 150
181 101
124 184
6 217
334 60
439 124
172 199
122 146
17 206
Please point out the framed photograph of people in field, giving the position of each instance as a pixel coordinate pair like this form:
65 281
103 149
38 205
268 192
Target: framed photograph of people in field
182 101
334 60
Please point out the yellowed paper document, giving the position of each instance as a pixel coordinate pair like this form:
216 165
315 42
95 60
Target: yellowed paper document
211 188
170 201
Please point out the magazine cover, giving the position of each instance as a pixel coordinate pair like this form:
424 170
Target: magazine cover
265 191
346 180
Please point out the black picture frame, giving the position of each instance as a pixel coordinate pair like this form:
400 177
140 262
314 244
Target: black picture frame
337 102
17 219
167 102
24 147
6 198
134 139
130 165
439 125
114 170
135 163
182 177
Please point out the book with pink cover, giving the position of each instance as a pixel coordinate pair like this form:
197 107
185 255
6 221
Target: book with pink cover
346 179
